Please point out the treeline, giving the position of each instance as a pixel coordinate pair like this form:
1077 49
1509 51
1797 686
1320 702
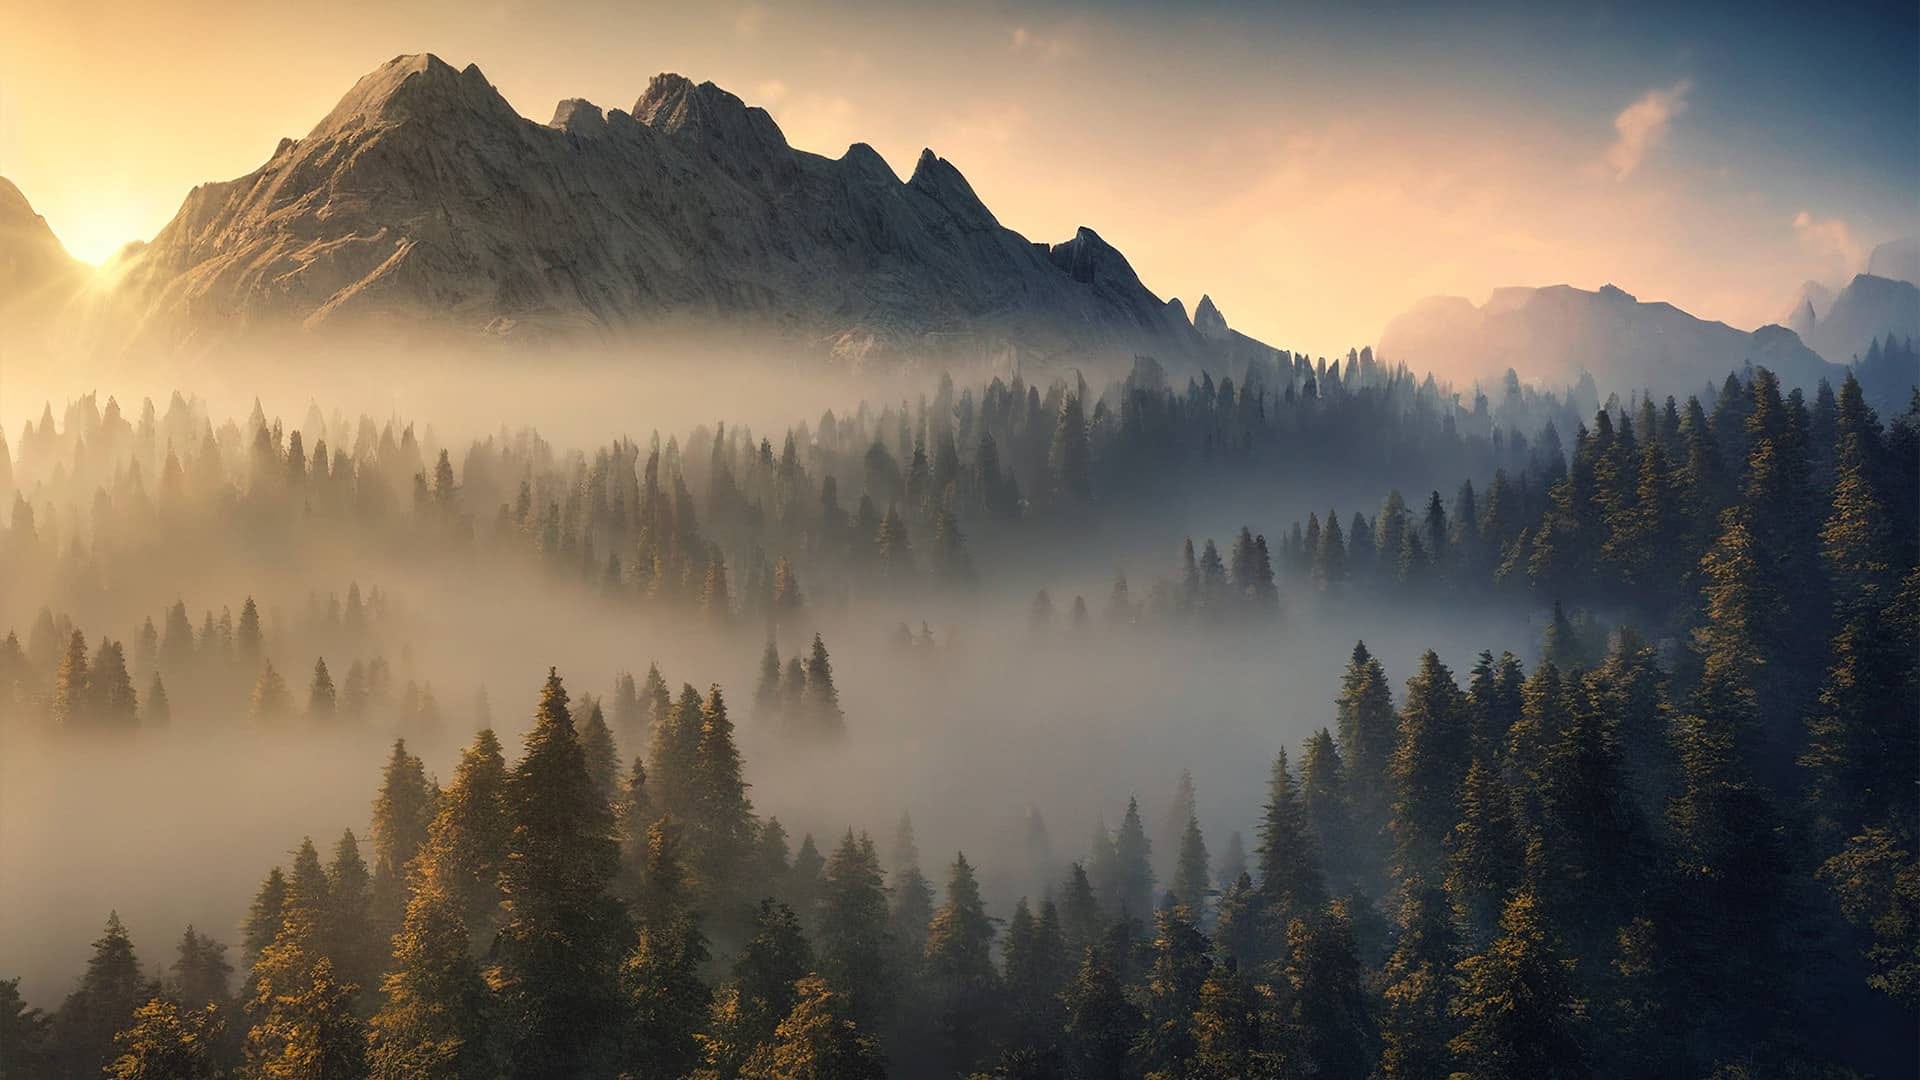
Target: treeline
881 499
1555 872
224 668
1627 520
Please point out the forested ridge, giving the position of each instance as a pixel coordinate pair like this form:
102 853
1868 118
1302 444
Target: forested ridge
1677 839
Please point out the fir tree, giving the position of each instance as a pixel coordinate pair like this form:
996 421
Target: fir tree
824 717
818 1040
169 1042
1133 857
1191 870
402 814
320 695
1291 885
1418 985
960 971
558 952
111 989
1516 1004
1330 1028
603 757
853 935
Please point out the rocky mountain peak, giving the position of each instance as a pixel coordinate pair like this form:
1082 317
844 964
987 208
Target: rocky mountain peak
411 87
1208 321
578 116
676 105
936 178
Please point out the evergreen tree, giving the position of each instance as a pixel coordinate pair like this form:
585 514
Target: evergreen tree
1181 964
1418 976
402 814
1429 763
1102 1023
666 1002
818 1040
960 971
201 973
673 760
70 705
270 702
1516 1004
359 953
110 990
1133 856
853 939
557 955
23 1033
824 718
1291 885
1191 870
158 710
114 702
1367 730
1330 1029
304 1025
320 694
603 757
169 1042
435 1021
721 827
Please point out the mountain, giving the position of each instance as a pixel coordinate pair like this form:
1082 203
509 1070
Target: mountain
33 265
1552 334
1868 309
424 200
1897 259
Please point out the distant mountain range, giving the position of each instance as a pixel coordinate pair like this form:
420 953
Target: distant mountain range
424 205
1553 334
424 200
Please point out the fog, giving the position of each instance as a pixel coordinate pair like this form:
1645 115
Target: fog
178 825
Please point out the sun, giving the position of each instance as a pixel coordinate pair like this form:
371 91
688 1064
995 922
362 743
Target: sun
93 233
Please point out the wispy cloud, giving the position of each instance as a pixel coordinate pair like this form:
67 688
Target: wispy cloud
1831 241
1643 125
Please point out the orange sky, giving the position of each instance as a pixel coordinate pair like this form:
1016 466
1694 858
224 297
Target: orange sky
1316 179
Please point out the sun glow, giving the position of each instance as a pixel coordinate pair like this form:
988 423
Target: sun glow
97 235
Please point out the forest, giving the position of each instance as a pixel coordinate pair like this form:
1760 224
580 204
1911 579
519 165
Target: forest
1441 733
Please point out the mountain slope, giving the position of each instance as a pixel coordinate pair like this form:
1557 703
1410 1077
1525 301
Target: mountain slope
1868 309
34 267
424 196
1554 333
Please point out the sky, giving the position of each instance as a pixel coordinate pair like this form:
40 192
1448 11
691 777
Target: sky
1316 168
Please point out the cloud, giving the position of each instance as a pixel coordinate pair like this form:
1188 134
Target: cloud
1830 240
1643 125
1058 44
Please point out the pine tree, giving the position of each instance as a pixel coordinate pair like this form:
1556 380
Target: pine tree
721 828
1429 763
1192 871
304 1025
853 935
320 695
766 692
1079 912
1070 459
818 1040
402 814
169 1042
1516 1004
1181 964
201 973
960 971
1133 858
1102 1023
603 757
1033 971
673 759
629 713
558 953
1417 1026
1367 730
114 702
1330 1028
111 989
23 1032
358 950
1324 802
435 1021
466 845
1291 885
158 710
70 706
665 1001
1484 853
824 718
270 702
263 918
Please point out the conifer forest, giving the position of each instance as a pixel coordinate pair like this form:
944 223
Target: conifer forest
997 540
904 742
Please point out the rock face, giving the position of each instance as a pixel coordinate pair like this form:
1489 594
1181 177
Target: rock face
1554 333
1868 309
33 265
1898 260
423 198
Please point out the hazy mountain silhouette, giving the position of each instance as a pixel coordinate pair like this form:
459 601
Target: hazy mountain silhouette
1552 334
